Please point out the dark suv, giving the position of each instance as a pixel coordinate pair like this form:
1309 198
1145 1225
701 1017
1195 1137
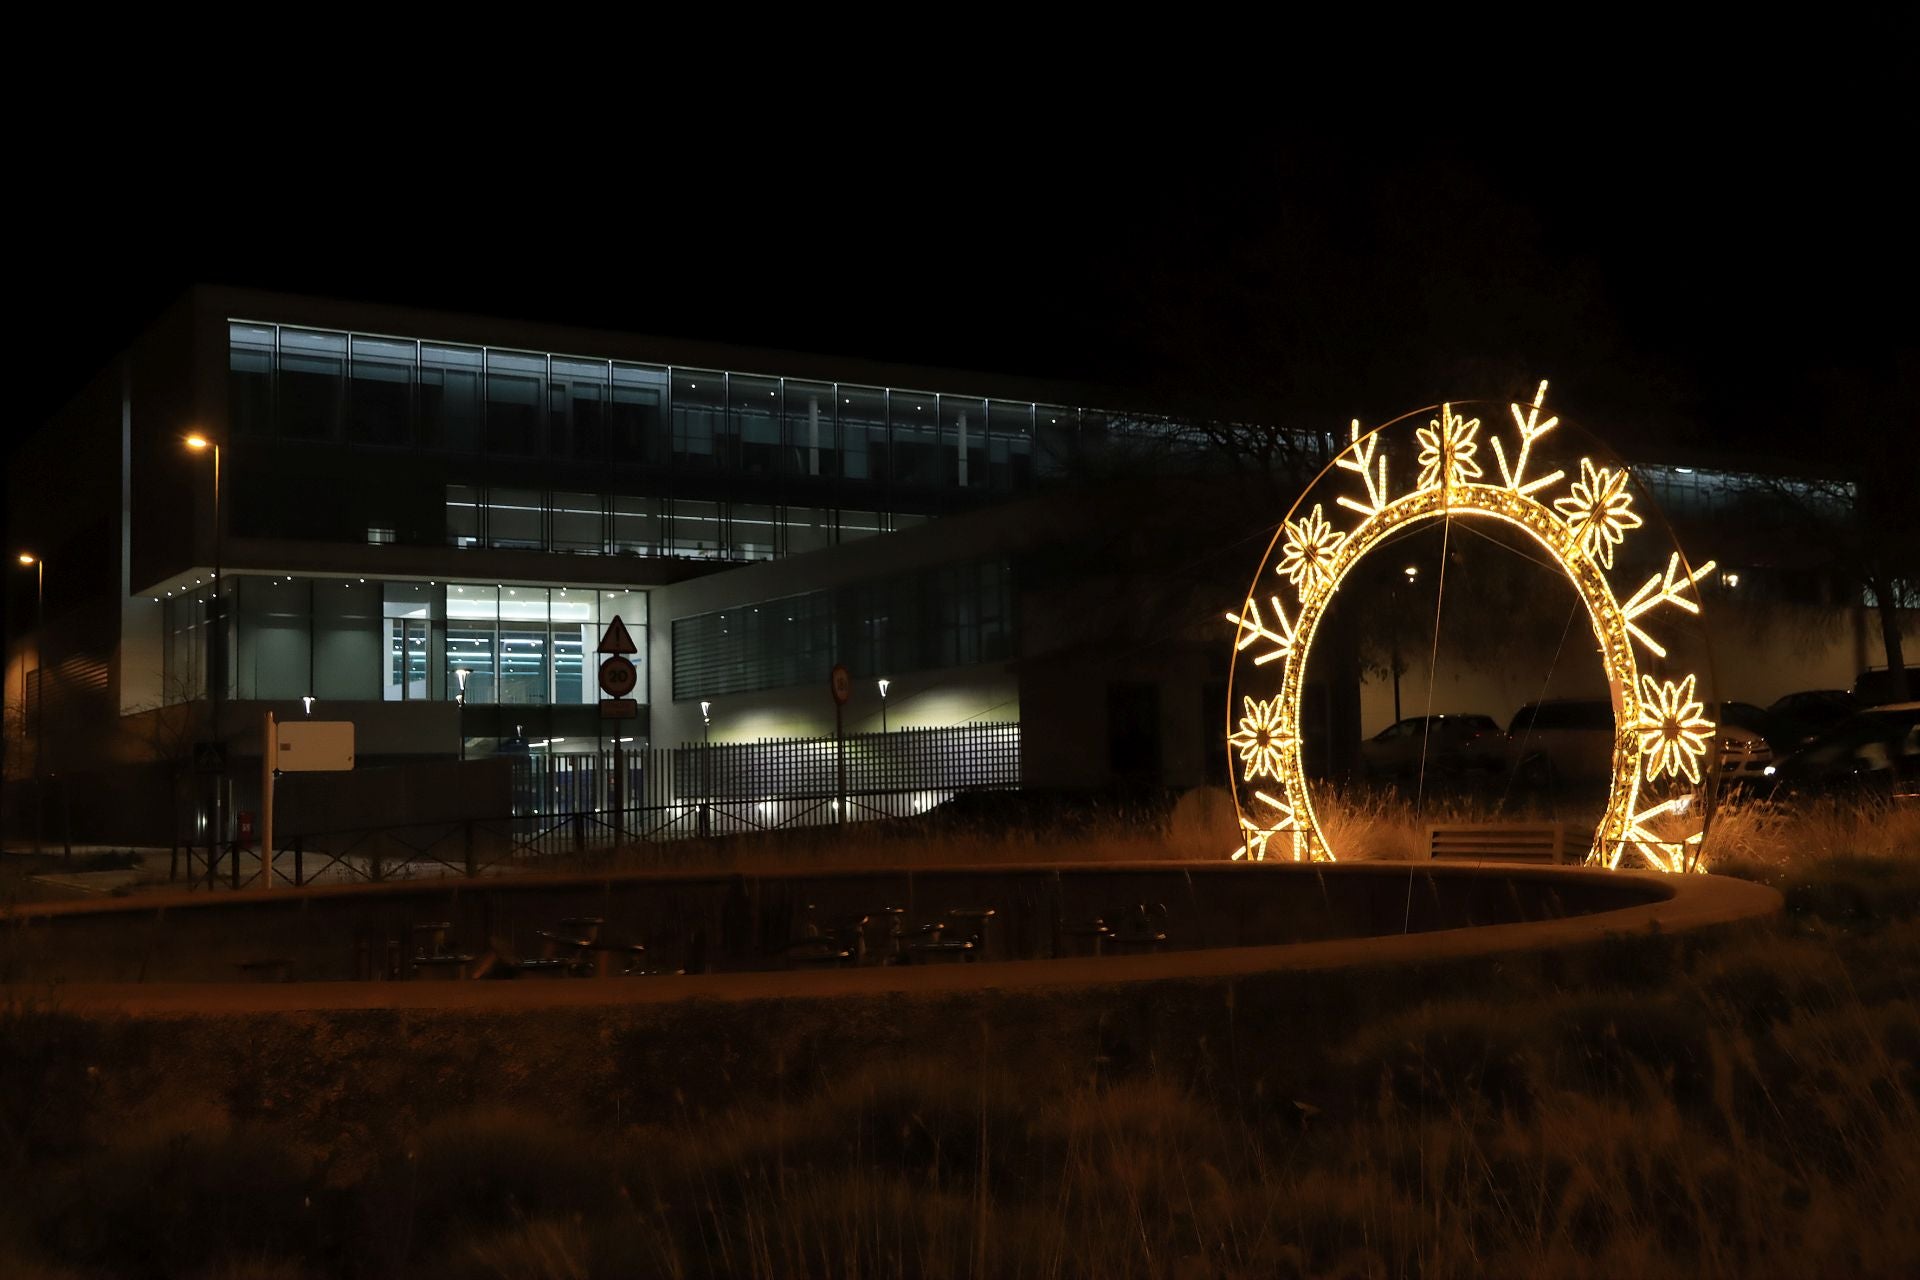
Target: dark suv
1875 751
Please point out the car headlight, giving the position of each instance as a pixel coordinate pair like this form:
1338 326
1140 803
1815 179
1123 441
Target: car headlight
1768 772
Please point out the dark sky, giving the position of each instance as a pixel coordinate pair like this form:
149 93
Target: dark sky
1709 276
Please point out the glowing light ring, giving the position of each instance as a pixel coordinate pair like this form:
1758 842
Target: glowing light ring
1658 726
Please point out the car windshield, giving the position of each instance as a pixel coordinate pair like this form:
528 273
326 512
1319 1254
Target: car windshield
1541 716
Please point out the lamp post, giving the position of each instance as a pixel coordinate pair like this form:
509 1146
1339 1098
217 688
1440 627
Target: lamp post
216 646
39 566
460 674
1393 632
706 765
883 704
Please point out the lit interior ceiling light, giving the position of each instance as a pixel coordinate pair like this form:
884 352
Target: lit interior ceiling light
1665 732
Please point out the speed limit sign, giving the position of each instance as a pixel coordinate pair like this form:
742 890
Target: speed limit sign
841 683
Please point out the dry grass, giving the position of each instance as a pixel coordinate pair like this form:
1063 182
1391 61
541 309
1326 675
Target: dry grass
1364 824
1779 837
1747 1108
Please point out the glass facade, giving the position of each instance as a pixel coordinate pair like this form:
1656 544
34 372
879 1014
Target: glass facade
354 639
690 528
948 617
670 447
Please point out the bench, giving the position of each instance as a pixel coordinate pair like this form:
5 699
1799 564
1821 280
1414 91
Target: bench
272 970
1504 842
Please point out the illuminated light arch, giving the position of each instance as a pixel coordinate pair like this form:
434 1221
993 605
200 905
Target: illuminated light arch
1660 728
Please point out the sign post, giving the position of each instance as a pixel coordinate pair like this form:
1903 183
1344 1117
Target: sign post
841 685
269 766
302 746
618 679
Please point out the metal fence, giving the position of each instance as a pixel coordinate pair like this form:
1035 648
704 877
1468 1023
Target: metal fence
963 758
565 805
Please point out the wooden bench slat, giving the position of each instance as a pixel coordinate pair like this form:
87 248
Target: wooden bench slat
1513 841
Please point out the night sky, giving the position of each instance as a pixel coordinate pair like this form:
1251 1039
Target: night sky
1707 280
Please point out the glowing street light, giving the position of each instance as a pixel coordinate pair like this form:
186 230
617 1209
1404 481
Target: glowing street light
884 683
29 560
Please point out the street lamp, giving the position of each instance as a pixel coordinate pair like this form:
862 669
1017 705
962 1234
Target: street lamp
216 638
1412 572
883 704
39 567
706 767
460 674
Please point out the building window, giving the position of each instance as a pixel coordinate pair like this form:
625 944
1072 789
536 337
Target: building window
753 424
250 379
697 530
579 523
953 616
516 518
312 388
637 420
637 527
699 406
450 396
811 428
918 462
381 406
578 424
516 382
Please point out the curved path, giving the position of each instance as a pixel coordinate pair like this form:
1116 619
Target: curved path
1681 904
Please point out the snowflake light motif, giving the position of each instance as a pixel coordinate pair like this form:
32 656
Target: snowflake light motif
1598 510
1667 733
1673 732
1255 838
1311 545
1259 738
1253 846
1447 446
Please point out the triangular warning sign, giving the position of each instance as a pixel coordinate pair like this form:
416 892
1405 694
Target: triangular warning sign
616 640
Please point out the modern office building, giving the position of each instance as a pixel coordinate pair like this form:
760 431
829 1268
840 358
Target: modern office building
425 522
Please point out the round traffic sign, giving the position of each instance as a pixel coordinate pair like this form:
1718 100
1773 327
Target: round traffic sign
841 683
617 677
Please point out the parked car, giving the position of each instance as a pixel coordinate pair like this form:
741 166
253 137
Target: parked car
1566 739
1571 740
1755 720
1453 744
1799 718
1876 750
1874 687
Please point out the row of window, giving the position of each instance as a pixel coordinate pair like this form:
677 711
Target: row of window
601 524
947 617
366 640
305 384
